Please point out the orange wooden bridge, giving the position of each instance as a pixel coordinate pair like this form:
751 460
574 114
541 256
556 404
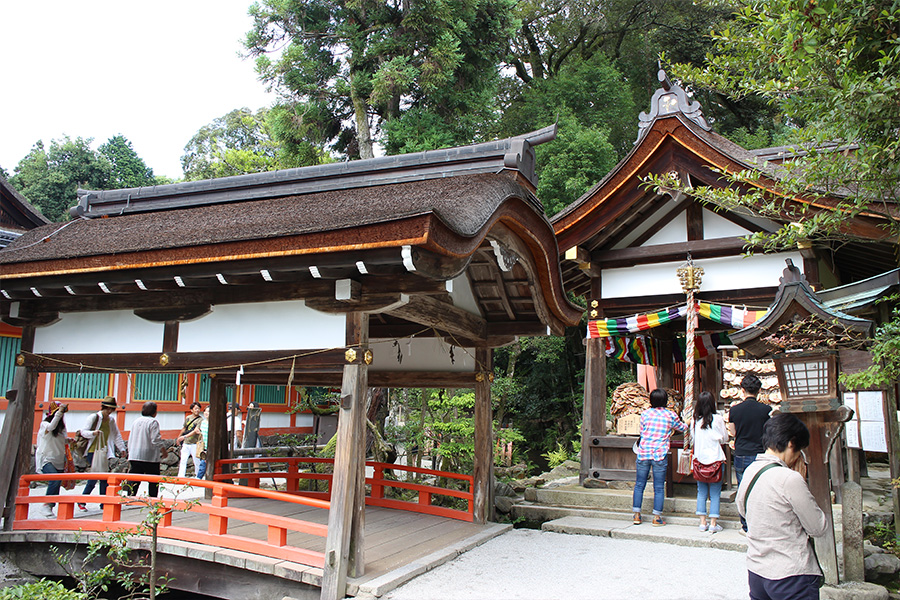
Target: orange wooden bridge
276 535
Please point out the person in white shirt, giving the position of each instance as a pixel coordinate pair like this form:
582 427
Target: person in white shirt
709 433
105 440
146 448
50 456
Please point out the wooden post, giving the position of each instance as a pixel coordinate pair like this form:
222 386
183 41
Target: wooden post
217 443
820 486
892 436
345 483
484 439
593 421
15 441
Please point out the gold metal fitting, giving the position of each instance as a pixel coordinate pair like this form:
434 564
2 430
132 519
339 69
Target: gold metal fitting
163 359
593 314
594 304
491 378
368 357
350 355
479 377
20 359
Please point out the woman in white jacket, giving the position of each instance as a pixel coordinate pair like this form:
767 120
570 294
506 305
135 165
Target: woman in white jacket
105 439
709 433
50 456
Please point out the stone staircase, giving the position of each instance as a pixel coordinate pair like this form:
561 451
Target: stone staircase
541 505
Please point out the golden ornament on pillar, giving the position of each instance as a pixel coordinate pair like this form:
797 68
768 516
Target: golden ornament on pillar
368 357
20 359
163 360
350 355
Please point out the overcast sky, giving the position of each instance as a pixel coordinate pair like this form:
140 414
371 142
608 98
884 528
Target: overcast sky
153 71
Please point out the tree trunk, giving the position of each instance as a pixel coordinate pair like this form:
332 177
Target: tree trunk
361 117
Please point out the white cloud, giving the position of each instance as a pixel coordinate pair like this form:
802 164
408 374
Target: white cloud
153 71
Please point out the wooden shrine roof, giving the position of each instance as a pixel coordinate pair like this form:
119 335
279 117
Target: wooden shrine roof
674 138
16 214
406 229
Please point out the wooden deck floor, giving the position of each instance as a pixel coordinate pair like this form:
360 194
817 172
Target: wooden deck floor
398 546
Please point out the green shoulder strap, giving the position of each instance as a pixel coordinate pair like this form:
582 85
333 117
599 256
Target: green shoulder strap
753 481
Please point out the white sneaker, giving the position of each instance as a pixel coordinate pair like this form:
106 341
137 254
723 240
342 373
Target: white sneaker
715 528
47 511
703 526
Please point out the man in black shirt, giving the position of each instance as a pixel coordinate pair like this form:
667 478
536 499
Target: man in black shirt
745 423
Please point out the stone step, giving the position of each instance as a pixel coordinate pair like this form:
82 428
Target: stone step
542 513
619 501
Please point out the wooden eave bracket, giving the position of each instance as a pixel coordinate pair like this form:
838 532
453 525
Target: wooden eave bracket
582 259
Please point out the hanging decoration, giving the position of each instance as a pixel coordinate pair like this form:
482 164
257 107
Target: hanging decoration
704 345
639 349
732 316
690 277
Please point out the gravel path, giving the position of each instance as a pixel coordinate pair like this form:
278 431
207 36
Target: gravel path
525 564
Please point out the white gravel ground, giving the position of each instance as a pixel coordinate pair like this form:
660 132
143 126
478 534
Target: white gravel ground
525 564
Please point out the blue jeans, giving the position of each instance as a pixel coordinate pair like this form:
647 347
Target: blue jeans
740 464
714 492
795 587
52 486
659 484
92 483
201 471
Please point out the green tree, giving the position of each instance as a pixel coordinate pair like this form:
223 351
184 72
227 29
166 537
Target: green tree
241 142
128 170
832 67
351 66
50 178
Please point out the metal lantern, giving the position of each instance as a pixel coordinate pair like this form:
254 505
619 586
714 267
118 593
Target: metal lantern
808 380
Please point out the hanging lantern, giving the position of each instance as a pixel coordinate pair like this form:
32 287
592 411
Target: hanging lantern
808 380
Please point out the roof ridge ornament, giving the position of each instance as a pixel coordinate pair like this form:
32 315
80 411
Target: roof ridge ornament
667 100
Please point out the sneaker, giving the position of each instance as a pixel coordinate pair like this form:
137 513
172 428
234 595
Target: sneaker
658 521
703 526
47 511
82 506
715 528
743 532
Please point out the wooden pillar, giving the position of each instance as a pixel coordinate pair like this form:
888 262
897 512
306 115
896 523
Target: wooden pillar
820 486
346 502
483 471
217 444
893 446
593 422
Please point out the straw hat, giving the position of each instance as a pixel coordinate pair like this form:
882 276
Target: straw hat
109 402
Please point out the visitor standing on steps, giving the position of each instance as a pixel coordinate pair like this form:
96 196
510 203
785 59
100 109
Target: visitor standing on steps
745 423
783 516
708 434
50 456
657 423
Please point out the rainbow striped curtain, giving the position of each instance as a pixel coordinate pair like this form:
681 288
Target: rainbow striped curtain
637 349
704 345
732 316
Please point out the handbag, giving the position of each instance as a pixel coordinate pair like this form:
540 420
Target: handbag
711 473
69 484
80 444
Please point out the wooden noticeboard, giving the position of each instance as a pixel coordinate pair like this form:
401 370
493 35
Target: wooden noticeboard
867 429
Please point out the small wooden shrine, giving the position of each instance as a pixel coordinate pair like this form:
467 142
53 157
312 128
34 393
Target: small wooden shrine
399 271
624 242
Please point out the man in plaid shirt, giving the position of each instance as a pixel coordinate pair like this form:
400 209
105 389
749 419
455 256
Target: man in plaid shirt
657 424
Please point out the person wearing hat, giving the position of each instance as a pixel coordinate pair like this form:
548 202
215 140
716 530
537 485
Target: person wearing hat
105 439
50 456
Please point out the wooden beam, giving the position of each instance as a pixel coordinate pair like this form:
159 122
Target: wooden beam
678 251
694 221
173 313
593 421
443 316
15 439
260 361
484 440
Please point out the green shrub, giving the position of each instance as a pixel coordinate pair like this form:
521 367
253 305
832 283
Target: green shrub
40 590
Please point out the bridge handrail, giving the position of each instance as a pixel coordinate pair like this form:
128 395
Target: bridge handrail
377 483
217 509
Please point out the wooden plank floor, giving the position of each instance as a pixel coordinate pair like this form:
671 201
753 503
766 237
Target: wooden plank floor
393 538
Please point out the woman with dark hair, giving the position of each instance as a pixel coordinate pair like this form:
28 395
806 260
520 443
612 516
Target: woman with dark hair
657 423
781 516
708 433
50 456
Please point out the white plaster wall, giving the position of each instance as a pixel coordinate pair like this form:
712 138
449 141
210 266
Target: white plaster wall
673 232
262 326
421 354
728 273
105 332
717 226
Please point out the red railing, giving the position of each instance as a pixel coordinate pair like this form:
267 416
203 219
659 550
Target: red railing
220 514
377 483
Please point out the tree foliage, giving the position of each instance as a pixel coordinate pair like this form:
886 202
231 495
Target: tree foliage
127 169
244 142
832 67
349 66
